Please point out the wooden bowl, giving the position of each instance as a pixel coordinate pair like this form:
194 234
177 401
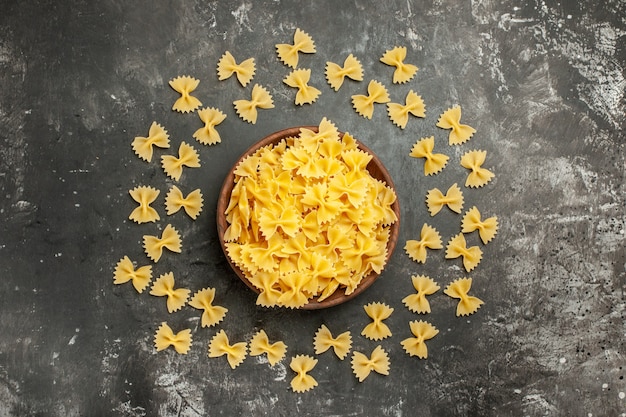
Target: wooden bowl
376 169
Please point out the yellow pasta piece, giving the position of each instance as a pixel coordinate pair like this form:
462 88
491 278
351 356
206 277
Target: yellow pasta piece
294 285
185 85
211 117
299 79
227 66
487 229
435 162
416 346
429 238
377 330
467 304
395 58
317 196
247 109
435 200
259 344
144 196
302 42
424 286
302 365
203 300
165 337
174 201
376 93
267 283
164 287
235 353
125 271
335 74
457 246
399 113
479 176
170 239
288 220
378 362
187 156
324 340
451 119
157 136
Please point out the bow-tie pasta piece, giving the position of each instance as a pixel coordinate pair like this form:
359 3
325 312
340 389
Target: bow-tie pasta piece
399 113
235 353
435 200
479 176
377 330
467 304
299 79
211 117
170 239
144 196
324 340
487 229
395 58
424 286
125 271
247 109
376 93
335 74
212 314
416 346
227 66
259 344
185 85
174 201
429 238
435 162
157 136
457 246
164 287
165 337
378 362
451 119
302 365
187 156
302 42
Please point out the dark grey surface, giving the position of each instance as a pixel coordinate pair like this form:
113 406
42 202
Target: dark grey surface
542 82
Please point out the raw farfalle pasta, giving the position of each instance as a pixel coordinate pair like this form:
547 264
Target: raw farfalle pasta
187 156
302 365
125 271
435 200
247 109
164 287
324 340
335 74
174 201
487 228
376 93
227 66
479 176
211 117
457 246
416 346
203 300
395 57
299 79
424 286
451 119
144 196
185 85
378 362
259 344
429 238
170 239
302 42
467 304
165 337
435 162
235 353
377 330
399 113
157 136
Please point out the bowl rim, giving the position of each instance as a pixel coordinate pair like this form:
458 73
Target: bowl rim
224 197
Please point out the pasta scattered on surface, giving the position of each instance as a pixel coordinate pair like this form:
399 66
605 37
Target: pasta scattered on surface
259 344
212 314
435 162
457 246
429 238
157 136
378 362
435 200
335 74
451 119
487 229
211 117
424 286
144 196
395 57
399 113
324 340
479 176
125 271
416 346
247 109
174 201
170 239
467 304
227 66
165 337
187 156
299 78
377 330
164 287
302 42
185 85
376 93
302 365
235 353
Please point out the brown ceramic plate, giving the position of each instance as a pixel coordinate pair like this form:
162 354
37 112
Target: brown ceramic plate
376 170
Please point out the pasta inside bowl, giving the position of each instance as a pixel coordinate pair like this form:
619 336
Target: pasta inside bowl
308 217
